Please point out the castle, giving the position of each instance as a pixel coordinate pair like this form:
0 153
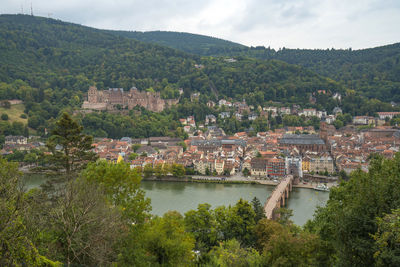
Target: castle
111 98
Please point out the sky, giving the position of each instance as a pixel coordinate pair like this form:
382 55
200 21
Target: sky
310 24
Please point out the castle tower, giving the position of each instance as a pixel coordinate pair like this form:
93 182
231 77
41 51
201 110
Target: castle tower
92 94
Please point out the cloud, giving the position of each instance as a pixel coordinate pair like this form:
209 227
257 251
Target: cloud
275 23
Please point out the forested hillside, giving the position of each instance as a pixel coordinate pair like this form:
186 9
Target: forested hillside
50 64
188 42
373 72
50 54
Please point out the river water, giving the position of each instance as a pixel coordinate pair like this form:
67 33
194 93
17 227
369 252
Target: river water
182 196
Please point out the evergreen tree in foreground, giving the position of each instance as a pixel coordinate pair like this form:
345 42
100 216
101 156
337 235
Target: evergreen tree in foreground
71 149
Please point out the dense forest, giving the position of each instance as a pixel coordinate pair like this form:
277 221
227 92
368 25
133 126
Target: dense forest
372 72
50 64
190 43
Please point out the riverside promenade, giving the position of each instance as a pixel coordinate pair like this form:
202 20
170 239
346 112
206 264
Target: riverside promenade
278 197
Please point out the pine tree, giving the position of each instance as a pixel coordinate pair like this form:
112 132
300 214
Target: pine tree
71 149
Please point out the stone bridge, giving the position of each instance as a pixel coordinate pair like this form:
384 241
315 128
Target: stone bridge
278 197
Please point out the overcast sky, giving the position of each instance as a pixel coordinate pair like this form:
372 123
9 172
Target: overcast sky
276 23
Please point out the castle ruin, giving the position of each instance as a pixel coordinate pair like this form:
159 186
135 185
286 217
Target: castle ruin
114 97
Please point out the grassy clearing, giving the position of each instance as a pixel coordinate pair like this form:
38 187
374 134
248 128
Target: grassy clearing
14 113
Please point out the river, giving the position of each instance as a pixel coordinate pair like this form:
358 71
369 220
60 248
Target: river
182 196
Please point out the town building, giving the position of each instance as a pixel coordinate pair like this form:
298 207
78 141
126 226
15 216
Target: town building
322 163
303 142
259 167
389 115
276 168
15 140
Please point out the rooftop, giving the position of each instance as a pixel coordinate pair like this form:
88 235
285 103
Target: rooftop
301 139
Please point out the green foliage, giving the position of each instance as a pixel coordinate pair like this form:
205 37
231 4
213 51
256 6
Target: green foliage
6 104
132 156
148 171
4 117
188 42
158 170
74 152
177 170
16 249
258 209
246 172
86 227
121 185
145 124
230 253
223 223
167 241
349 219
203 225
281 246
373 72
387 239
135 147
183 145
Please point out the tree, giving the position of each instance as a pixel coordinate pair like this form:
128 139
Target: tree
183 145
338 124
71 149
158 170
30 158
281 246
4 117
387 239
258 209
348 221
121 185
16 249
135 147
178 170
230 253
236 222
6 104
148 170
86 227
246 172
343 175
167 241
284 215
203 225
133 156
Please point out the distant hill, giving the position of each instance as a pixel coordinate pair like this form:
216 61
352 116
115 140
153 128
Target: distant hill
373 72
66 57
188 42
50 64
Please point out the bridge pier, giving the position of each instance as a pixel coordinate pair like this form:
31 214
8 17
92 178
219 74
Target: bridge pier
278 197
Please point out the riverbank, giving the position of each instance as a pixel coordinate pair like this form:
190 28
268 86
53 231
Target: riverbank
205 180
227 180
